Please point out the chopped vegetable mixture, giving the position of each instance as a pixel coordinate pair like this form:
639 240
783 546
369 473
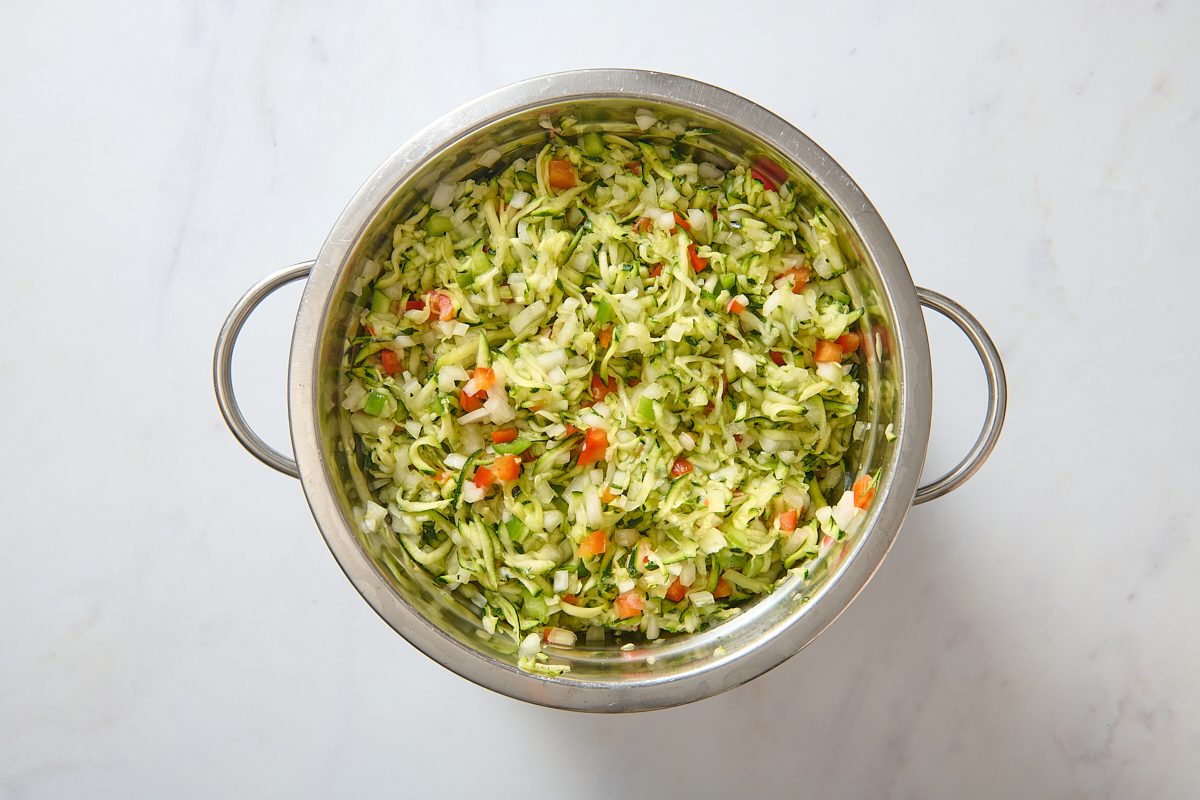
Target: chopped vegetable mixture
608 389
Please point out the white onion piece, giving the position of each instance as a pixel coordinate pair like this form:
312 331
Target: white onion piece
644 118
442 195
626 537
743 361
472 493
595 513
498 406
830 371
519 199
794 497
474 416
592 420
488 158
530 645
455 461
845 511
553 358
560 637
454 372
709 172
561 581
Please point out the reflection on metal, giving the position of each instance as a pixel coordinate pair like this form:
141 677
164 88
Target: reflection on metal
445 626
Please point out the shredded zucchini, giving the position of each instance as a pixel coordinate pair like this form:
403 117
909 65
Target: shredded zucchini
612 335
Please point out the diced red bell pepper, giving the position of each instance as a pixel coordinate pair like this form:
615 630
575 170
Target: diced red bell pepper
560 174
595 444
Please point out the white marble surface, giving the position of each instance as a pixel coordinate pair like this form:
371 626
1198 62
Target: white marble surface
172 623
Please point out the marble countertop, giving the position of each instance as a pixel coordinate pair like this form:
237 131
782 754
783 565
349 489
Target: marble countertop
173 624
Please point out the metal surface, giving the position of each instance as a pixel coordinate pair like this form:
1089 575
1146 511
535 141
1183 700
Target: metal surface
223 368
993 369
897 391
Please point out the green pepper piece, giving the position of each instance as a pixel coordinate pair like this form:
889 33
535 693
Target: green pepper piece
376 403
645 409
513 448
438 225
604 312
517 530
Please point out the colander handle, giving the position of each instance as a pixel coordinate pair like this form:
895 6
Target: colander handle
223 368
993 369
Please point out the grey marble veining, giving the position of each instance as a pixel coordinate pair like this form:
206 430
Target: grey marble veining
173 624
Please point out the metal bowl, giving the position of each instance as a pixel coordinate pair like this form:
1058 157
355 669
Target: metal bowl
897 396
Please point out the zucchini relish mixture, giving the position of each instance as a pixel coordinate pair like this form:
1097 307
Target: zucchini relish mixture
607 390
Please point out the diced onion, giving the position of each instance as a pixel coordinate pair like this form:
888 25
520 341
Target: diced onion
500 409
553 358
519 199
595 513
560 637
591 419
474 416
845 511
626 537
561 581
644 118
488 158
472 493
442 196
743 361
530 646
455 461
